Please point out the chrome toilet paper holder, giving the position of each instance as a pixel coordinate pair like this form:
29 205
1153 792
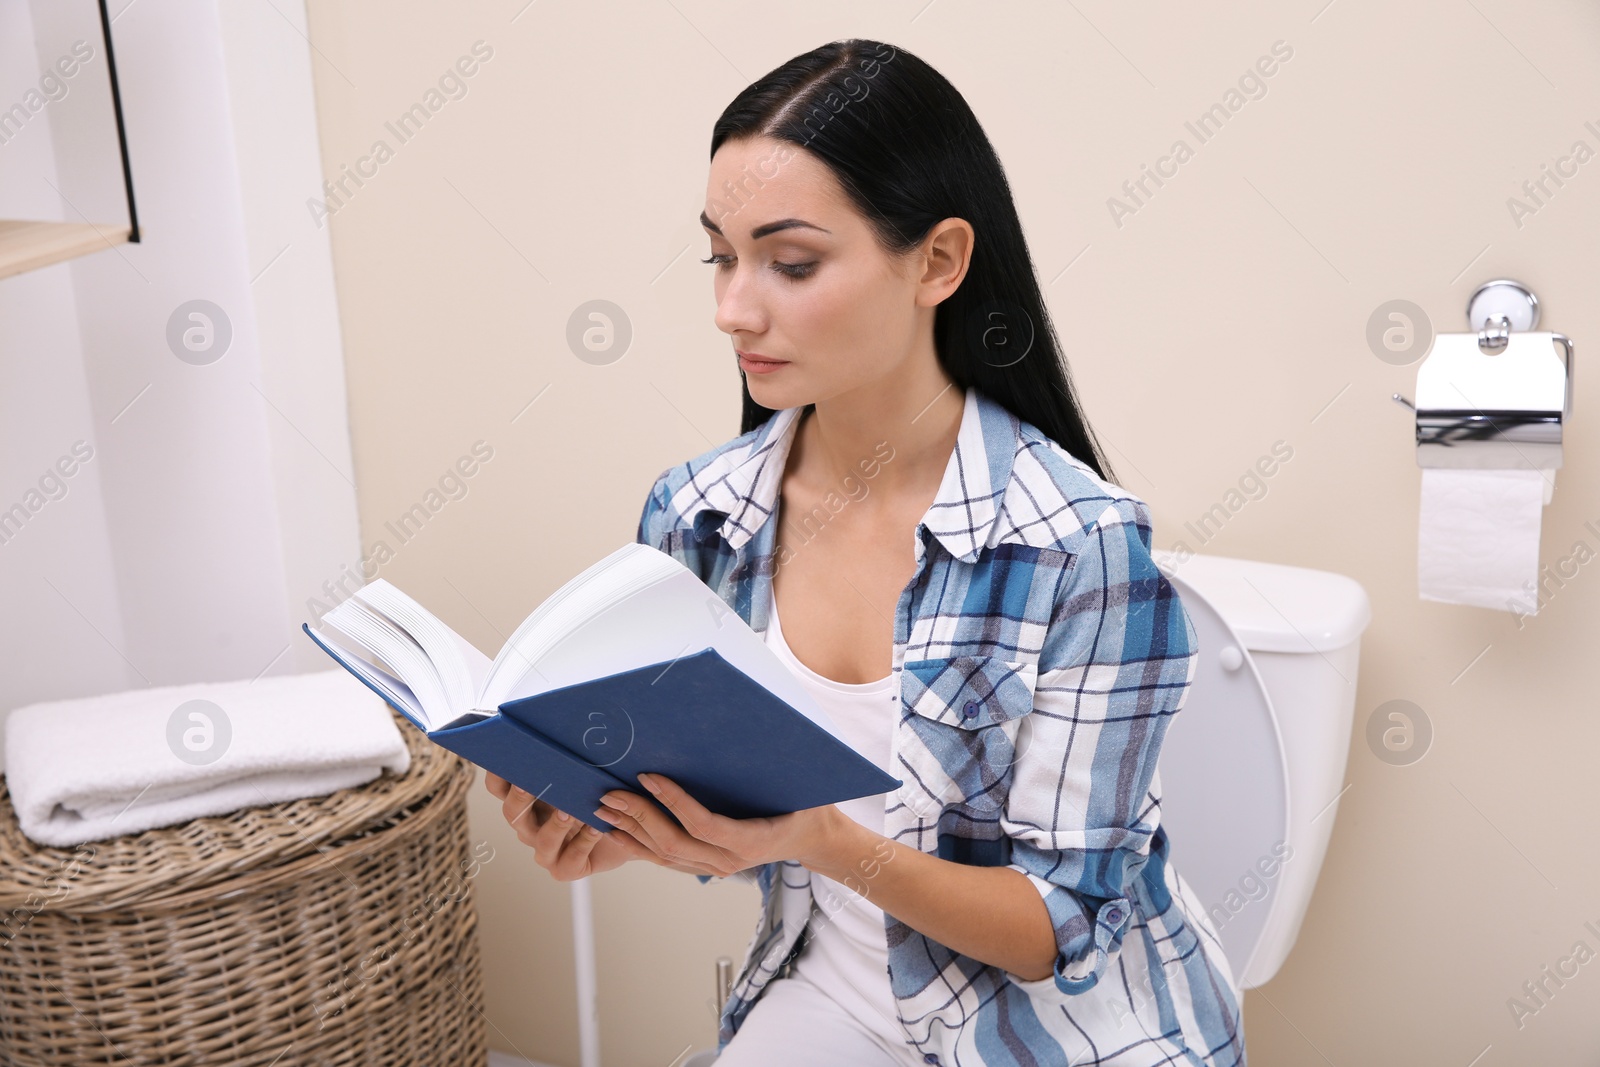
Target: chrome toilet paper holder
1534 400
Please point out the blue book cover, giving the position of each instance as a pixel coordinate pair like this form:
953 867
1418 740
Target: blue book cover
733 745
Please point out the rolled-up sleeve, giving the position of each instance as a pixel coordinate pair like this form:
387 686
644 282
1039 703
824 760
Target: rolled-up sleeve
653 519
1115 666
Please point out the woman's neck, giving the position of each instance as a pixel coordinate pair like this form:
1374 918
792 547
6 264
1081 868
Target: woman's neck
842 433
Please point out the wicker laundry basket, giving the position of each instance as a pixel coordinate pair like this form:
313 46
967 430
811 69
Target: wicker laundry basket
334 930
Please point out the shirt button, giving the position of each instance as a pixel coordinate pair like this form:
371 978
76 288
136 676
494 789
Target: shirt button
1114 916
970 712
930 1057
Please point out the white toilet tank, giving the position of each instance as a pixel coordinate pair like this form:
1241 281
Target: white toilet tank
1252 767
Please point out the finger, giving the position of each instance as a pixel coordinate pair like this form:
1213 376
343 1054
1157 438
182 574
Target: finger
698 821
552 837
518 814
641 851
496 784
525 814
573 859
654 829
519 800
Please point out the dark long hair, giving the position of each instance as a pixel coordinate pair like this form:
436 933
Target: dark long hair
909 152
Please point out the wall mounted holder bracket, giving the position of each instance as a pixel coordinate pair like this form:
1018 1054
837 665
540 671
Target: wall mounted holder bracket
1499 403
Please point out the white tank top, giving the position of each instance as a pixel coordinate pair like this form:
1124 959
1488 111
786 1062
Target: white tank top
847 953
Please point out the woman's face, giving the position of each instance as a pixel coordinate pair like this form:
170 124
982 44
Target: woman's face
818 292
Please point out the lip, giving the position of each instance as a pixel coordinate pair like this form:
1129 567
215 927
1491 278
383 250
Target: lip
752 364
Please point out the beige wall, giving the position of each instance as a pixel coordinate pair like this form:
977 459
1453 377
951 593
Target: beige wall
1227 313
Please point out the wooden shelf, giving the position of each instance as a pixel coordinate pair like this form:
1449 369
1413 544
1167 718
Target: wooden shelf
28 246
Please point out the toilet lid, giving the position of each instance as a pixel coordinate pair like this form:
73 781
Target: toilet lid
1224 785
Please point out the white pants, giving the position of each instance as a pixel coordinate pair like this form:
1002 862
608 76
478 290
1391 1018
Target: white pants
796 1024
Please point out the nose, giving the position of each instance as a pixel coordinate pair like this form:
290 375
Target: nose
738 308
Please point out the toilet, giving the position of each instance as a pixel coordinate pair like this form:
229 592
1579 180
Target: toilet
1253 765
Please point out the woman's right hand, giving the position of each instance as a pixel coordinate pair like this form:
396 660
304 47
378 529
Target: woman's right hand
566 847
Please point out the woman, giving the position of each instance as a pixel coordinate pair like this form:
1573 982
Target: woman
964 590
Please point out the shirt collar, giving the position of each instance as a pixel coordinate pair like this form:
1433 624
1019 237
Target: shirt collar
963 513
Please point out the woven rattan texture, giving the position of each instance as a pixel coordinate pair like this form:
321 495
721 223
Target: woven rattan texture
337 930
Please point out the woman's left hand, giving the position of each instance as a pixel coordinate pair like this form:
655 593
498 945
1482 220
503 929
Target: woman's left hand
709 843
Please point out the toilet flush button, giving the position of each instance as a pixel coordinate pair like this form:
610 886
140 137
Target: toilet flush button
1232 659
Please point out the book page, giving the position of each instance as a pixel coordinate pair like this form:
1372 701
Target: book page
673 617
383 641
390 687
478 667
445 648
599 586
601 583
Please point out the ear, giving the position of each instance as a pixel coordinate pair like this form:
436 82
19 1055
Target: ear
946 254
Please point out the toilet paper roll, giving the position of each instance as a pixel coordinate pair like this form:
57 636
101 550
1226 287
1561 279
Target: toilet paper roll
1478 538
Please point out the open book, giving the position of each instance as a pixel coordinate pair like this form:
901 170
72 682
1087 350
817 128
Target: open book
632 666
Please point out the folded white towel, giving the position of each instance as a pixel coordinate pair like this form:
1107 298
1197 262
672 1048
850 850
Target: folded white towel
96 767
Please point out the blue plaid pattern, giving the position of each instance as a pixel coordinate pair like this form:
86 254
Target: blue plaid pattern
1041 657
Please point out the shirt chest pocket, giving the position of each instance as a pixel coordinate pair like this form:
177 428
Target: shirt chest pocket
964 730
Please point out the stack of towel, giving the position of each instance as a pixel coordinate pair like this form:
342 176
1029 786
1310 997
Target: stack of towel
97 767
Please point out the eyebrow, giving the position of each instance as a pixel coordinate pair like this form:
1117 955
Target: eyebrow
764 229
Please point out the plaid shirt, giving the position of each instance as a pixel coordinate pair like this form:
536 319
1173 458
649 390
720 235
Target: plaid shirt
1041 657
